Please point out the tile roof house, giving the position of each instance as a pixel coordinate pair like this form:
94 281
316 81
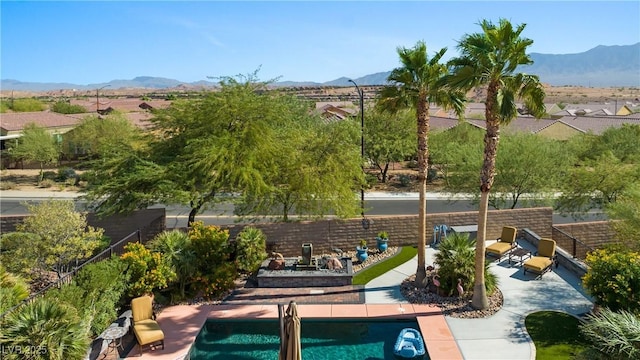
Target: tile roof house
331 112
14 123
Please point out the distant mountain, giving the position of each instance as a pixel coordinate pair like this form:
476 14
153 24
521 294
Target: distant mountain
602 66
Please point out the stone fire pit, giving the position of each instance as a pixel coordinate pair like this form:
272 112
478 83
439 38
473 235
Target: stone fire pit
304 276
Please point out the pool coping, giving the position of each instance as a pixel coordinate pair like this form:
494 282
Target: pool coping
182 323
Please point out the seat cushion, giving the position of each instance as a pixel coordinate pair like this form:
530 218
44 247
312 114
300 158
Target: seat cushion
537 263
499 248
147 332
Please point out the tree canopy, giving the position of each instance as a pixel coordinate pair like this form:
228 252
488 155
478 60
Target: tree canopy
238 139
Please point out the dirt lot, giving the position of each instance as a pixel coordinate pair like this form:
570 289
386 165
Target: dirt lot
27 180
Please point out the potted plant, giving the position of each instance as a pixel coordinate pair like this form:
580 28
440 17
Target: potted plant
382 239
362 250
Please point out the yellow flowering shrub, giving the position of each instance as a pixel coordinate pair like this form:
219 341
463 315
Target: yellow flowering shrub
214 271
613 279
148 270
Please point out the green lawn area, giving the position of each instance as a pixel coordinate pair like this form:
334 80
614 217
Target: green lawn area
405 254
556 335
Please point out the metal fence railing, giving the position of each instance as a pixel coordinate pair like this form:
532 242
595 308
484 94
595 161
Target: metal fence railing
571 244
115 249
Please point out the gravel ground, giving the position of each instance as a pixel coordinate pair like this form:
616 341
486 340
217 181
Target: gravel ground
458 307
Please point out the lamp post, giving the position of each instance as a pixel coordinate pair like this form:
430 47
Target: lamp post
97 100
365 223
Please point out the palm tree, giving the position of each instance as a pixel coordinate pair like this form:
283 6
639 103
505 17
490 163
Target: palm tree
415 85
45 329
490 59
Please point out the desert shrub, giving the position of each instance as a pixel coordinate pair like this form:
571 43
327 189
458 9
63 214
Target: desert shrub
370 180
66 173
44 329
7 185
250 249
455 260
613 279
147 270
405 180
214 272
46 183
51 175
615 335
63 107
26 105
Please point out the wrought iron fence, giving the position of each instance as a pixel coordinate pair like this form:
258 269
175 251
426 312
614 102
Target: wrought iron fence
568 242
115 249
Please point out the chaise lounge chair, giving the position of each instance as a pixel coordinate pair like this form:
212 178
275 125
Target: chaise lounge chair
145 327
542 261
506 242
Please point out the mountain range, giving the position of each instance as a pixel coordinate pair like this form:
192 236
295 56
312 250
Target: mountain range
602 66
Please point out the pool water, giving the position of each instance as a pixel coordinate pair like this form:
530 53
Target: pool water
321 339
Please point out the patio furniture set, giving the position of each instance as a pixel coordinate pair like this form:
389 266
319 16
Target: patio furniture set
539 262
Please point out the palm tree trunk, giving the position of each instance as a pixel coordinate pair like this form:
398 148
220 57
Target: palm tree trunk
479 300
423 156
487 174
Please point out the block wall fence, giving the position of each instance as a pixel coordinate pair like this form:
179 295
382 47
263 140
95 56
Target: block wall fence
325 235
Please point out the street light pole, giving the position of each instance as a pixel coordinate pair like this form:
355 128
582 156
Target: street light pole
97 99
361 95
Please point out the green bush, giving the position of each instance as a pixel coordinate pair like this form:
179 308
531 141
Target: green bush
97 293
176 248
44 329
63 107
405 180
456 260
214 272
66 173
613 279
26 105
616 335
250 249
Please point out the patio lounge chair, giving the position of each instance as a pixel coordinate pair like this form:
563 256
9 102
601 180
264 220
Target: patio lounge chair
506 242
543 259
145 326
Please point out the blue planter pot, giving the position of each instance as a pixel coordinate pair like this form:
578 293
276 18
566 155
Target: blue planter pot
361 253
382 244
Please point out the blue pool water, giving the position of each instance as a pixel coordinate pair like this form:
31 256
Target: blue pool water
321 339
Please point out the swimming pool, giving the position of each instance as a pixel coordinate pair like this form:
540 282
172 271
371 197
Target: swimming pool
321 339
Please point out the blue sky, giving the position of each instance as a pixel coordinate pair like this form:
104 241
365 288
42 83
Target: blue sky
86 42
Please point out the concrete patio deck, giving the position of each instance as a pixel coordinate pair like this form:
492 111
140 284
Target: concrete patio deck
500 336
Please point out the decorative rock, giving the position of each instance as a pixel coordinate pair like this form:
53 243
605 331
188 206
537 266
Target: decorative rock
276 264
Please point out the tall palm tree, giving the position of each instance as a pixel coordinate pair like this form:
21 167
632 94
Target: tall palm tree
415 85
490 59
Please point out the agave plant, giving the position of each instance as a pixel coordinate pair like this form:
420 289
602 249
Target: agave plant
614 334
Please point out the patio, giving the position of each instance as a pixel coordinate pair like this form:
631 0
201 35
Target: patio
501 336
